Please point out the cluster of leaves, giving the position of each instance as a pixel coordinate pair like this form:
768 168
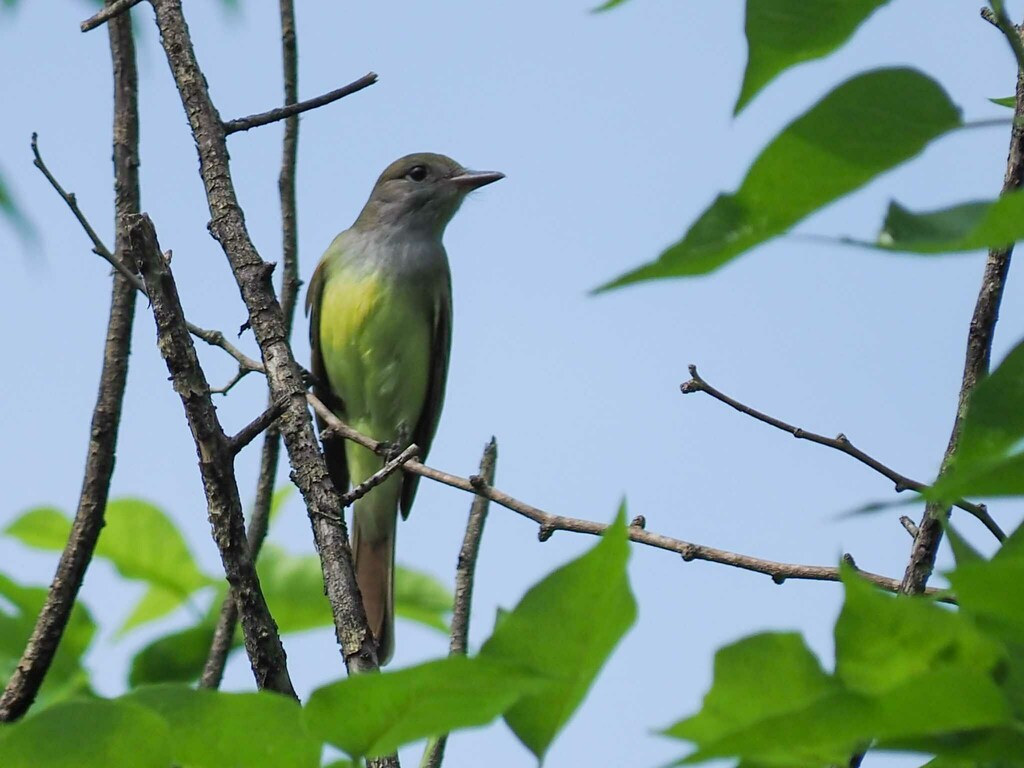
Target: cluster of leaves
910 675
143 544
862 128
534 684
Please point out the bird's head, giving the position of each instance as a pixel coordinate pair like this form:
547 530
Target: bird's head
420 193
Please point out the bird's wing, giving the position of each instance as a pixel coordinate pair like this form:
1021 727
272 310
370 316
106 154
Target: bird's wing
334 450
440 349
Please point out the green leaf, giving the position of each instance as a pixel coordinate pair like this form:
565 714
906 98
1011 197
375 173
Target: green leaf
965 227
294 589
66 676
8 208
41 528
883 642
422 598
587 606
607 6
279 499
156 603
213 729
759 678
112 734
369 715
178 657
990 592
781 34
1006 101
138 539
988 460
863 128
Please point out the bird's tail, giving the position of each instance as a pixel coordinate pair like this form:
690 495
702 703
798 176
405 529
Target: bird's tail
373 550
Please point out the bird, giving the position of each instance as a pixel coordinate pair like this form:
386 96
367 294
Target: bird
380 308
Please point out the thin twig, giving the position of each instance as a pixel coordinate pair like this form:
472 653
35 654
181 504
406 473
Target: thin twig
216 460
1010 32
465 573
212 337
977 357
111 11
28 676
240 374
550 523
227 225
256 427
840 443
282 113
351 497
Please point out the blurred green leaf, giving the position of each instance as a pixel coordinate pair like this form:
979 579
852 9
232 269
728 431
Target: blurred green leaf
279 499
214 729
139 540
41 527
294 588
8 208
422 598
781 34
1006 101
100 733
368 715
863 128
156 603
19 608
174 658
966 227
607 6
587 605
988 460
990 592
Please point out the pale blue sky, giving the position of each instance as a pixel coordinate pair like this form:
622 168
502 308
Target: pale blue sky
614 131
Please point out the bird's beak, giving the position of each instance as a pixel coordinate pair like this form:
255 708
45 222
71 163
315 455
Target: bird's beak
470 180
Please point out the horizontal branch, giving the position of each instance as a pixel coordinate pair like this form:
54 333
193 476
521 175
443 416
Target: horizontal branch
282 113
840 443
256 427
550 523
116 8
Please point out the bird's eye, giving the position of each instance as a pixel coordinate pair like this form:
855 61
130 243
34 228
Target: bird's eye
417 173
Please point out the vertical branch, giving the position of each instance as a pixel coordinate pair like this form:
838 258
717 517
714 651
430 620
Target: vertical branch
464 575
27 678
216 459
224 633
977 359
252 274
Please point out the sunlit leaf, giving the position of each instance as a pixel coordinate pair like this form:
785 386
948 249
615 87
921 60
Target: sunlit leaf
213 729
369 715
178 657
989 460
781 33
966 227
863 128
588 606
112 734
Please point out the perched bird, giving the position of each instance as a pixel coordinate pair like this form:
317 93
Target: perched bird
380 329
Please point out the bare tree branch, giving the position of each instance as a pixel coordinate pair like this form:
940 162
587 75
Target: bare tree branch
465 573
255 428
111 11
227 225
28 676
213 338
976 360
293 110
216 460
840 443
550 523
